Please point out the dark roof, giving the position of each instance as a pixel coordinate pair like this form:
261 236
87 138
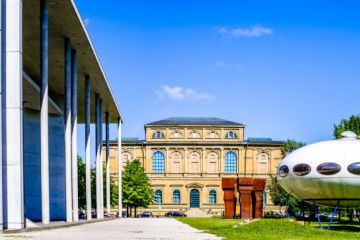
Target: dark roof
194 121
259 139
130 139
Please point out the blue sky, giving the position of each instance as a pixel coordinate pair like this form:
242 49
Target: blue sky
286 69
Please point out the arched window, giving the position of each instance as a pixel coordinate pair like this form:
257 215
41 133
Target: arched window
176 162
176 197
263 160
176 135
158 134
194 162
212 166
231 135
195 135
213 135
126 157
230 162
212 197
158 197
158 162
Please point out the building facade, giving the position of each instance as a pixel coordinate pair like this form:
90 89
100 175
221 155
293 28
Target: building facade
50 83
186 158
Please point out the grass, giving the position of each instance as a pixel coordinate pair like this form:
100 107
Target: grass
271 229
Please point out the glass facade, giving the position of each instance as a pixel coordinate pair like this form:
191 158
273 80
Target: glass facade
212 197
230 162
158 162
158 197
176 197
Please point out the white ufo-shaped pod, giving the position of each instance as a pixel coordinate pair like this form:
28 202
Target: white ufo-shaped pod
324 172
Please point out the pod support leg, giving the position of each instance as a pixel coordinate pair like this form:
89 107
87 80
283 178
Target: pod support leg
287 207
333 215
316 208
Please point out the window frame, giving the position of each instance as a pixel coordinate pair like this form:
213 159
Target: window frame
211 195
177 197
230 165
158 163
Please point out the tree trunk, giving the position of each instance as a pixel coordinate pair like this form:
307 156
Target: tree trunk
135 212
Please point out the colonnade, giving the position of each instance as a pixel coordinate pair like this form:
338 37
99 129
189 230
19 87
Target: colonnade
71 136
12 214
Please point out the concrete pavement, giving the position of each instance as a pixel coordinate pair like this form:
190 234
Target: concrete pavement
126 228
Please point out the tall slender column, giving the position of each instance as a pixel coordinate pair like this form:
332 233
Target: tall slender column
87 147
44 113
107 122
1 161
101 163
98 137
74 135
67 119
119 169
12 115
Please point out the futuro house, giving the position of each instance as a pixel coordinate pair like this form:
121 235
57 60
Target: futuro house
324 173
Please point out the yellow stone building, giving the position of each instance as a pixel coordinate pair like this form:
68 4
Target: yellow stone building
186 158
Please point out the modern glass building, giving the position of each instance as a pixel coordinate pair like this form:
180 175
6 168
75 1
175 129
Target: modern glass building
51 82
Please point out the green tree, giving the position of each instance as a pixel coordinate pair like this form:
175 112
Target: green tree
81 183
136 188
289 146
351 124
82 187
278 195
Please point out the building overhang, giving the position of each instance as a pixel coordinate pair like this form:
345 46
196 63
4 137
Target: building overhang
65 22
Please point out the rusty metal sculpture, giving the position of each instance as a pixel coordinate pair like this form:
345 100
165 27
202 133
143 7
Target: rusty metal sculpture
251 196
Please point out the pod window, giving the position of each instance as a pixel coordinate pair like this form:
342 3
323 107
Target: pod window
328 168
354 168
301 169
283 171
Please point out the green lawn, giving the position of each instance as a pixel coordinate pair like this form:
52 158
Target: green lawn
271 229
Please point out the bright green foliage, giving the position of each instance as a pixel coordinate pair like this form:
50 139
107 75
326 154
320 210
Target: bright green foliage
272 229
351 124
289 146
81 183
136 188
278 195
82 187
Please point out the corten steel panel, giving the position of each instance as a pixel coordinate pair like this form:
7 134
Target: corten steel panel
259 187
229 188
245 187
258 204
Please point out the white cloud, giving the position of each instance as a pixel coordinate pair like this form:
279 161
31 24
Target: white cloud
179 94
87 21
254 31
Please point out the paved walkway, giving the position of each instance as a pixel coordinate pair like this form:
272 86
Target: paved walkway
127 228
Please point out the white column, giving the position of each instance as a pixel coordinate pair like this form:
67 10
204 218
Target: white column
119 168
44 113
107 122
1 159
67 119
98 157
101 164
12 116
74 135
87 147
